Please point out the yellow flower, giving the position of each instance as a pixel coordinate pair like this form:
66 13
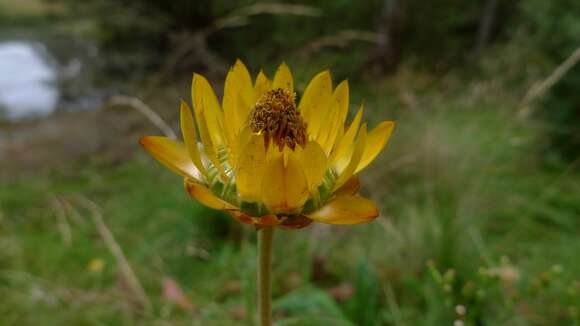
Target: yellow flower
268 161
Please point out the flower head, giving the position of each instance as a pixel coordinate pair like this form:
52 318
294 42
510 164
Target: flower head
268 161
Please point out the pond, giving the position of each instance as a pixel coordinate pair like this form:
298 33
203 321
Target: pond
28 80
38 78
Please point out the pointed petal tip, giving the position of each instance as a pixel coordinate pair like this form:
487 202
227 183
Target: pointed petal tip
172 154
184 107
198 77
146 141
377 140
239 62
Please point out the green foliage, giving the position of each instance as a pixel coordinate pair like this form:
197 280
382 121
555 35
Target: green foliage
309 303
139 34
476 224
552 28
497 228
364 305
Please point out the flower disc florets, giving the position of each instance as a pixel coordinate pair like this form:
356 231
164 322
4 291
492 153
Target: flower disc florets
275 116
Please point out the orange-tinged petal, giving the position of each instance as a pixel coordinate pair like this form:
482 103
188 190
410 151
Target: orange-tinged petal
172 154
283 78
295 222
284 187
202 194
335 117
314 163
346 209
241 217
188 131
376 140
354 159
263 84
351 187
249 168
315 97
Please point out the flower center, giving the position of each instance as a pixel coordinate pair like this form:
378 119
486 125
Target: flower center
275 116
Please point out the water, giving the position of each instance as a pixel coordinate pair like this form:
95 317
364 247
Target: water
28 80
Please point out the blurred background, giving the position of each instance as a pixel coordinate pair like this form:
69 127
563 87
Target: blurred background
479 186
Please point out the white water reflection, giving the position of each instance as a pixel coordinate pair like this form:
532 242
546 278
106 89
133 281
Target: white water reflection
27 81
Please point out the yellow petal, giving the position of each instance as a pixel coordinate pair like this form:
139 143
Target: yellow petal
209 119
354 159
348 137
376 140
263 84
346 209
172 154
314 163
210 150
283 78
229 105
188 131
315 97
336 113
240 143
284 188
250 166
244 79
238 93
205 196
205 104
243 109
351 187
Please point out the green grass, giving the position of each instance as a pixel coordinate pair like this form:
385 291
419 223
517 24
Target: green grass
476 216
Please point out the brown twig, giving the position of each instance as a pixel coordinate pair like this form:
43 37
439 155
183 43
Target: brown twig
126 269
62 221
540 88
152 116
339 40
240 17
72 213
195 43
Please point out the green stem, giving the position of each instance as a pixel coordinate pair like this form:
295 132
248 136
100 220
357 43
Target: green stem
265 275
